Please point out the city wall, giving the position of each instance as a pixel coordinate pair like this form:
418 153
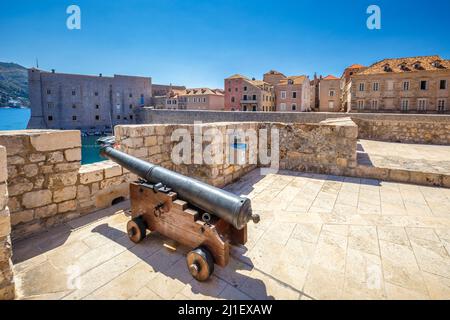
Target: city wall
406 128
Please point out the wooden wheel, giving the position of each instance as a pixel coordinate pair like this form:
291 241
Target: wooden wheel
136 229
200 263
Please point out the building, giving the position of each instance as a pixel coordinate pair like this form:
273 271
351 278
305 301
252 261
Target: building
83 102
346 84
243 94
159 90
293 94
314 92
411 85
192 99
330 94
273 77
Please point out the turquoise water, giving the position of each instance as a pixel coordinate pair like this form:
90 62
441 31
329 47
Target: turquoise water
17 119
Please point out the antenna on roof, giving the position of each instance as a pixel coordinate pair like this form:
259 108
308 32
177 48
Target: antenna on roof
37 63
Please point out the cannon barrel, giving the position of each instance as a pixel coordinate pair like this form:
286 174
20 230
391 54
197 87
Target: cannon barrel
223 204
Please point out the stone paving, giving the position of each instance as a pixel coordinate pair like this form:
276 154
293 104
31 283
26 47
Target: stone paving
403 156
320 237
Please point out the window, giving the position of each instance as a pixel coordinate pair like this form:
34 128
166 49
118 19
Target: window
245 108
97 106
254 97
423 85
294 107
360 104
376 86
331 93
204 100
73 92
236 89
131 117
96 93
232 99
374 105
443 84
294 94
245 88
404 105
50 104
50 118
405 85
283 94
130 95
422 104
97 117
74 106
361 87
49 91
331 105
74 118
229 89
254 108
118 117
283 106
169 101
441 105
244 97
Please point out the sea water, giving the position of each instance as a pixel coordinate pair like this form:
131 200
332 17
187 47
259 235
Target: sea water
17 119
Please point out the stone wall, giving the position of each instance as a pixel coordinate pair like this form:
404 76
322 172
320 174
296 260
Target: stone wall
407 128
47 184
6 273
327 147
153 143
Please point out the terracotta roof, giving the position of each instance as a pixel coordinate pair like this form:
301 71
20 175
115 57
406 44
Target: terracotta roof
274 72
330 77
411 64
237 76
294 79
200 91
355 66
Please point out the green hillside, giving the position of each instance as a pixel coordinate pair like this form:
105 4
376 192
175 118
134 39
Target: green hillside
13 84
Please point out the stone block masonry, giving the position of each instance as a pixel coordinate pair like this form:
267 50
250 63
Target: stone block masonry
47 184
7 288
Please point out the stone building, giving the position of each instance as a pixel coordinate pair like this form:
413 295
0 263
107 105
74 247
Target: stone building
293 94
410 85
330 94
191 99
346 85
88 103
243 94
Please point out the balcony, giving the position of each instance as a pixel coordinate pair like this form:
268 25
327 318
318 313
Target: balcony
249 101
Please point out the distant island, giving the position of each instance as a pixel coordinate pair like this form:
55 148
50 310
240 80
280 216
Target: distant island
13 85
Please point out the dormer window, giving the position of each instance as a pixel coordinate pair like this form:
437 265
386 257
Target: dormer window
387 68
404 67
417 65
437 64
290 81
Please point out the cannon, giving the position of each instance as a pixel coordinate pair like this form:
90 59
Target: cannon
204 218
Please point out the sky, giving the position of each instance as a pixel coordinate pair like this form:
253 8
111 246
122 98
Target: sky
198 43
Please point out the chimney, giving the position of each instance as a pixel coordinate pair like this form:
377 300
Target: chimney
53 70
253 78
100 75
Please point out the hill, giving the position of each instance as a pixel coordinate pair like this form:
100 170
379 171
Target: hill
13 85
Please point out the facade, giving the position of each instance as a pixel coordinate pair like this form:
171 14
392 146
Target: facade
410 85
330 94
314 92
346 85
191 99
293 94
243 94
88 103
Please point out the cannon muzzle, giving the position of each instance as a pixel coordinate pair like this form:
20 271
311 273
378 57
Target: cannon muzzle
234 209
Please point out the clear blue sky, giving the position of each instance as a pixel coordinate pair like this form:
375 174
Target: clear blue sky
200 42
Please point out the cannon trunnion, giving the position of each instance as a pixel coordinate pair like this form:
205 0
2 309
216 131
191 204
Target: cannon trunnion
193 213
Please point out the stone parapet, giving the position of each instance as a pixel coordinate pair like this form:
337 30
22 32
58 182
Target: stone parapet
7 288
47 183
